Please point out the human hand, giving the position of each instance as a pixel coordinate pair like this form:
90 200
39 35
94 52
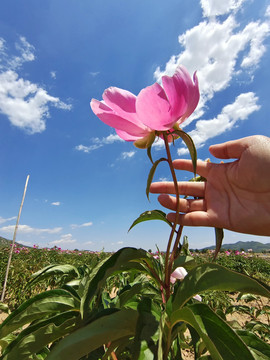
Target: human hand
236 195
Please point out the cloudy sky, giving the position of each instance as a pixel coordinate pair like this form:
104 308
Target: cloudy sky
87 186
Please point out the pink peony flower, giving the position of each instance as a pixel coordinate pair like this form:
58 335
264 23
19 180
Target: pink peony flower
197 297
156 108
179 274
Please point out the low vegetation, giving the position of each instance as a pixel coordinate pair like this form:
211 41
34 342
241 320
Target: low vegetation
61 277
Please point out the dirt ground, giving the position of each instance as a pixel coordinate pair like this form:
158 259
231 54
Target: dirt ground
2 317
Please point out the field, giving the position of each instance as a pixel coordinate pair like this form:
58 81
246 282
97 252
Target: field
242 311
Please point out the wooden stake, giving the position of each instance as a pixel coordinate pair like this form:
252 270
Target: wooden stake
13 241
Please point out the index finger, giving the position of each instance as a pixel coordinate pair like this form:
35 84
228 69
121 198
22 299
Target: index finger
202 169
195 189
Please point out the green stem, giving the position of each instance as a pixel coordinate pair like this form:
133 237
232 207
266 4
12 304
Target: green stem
167 267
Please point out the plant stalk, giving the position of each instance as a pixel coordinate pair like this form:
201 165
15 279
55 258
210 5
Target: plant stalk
167 267
13 241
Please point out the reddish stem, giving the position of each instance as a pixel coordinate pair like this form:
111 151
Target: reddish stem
168 265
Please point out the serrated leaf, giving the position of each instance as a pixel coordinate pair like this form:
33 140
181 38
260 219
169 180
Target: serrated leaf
151 174
190 145
151 215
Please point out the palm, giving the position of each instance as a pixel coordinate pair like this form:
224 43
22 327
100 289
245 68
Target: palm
231 201
236 195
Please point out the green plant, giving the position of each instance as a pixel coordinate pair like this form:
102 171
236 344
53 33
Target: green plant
81 320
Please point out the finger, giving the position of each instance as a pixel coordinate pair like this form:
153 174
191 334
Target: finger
195 189
230 149
202 168
186 205
196 218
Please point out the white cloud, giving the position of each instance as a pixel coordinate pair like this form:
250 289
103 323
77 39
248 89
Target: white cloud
88 243
53 74
214 49
24 103
158 144
98 143
26 53
87 224
25 229
257 48
56 203
110 139
127 154
267 12
94 73
2 220
221 50
217 7
26 243
87 149
117 243
65 239
244 105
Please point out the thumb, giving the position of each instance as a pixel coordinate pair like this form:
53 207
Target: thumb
231 149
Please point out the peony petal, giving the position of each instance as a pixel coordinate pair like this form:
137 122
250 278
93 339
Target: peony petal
177 93
193 94
125 136
153 108
179 273
107 115
123 103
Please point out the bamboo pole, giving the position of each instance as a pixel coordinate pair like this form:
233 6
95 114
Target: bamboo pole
13 241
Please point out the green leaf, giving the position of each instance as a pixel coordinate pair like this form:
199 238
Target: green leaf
187 261
4 307
191 147
151 215
35 337
254 343
219 338
219 237
106 329
55 270
128 294
146 328
211 276
48 302
5 341
151 175
116 262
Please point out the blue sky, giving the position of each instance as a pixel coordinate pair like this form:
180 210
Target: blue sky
86 185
